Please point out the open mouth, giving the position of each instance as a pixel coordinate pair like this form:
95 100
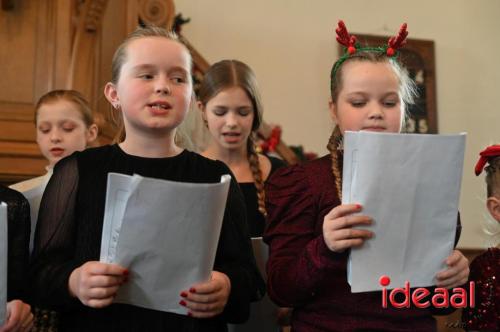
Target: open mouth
57 152
160 107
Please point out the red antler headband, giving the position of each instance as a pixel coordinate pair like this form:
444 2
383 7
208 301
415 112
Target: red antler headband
351 46
485 155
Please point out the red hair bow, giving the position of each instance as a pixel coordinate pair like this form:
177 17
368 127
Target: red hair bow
489 152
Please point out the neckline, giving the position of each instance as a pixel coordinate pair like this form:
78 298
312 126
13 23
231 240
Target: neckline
131 156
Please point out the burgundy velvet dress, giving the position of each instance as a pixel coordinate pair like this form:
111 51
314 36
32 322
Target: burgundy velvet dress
304 274
485 271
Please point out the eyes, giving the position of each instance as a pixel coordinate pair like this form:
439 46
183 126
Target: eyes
221 111
387 103
176 78
67 127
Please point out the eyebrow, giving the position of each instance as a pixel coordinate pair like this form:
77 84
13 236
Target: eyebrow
153 67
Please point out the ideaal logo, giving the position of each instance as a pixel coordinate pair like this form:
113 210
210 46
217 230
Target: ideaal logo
440 298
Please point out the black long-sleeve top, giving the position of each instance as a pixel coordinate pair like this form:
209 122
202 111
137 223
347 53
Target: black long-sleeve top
69 234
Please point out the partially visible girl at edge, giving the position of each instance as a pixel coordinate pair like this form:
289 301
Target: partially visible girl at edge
18 312
485 268
310 232
151 86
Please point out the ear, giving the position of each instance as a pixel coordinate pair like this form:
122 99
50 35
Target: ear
333 110
92 132
493 205
111 93
202 108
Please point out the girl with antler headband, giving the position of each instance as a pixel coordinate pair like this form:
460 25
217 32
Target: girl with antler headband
310 232
485 269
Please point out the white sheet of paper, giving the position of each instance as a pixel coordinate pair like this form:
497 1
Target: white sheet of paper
263 313
3 262
165 233
34 197
410 185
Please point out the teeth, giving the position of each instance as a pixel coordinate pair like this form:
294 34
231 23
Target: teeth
157 106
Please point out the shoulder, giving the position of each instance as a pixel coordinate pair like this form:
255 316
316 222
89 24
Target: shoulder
484 261
204 166
275 163
10 196
302 177
95 154
29 184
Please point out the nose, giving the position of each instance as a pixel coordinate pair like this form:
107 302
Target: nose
163 86
231 120
55 135
376 112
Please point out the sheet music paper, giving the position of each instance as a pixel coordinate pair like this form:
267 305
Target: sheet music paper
165 233
410 185
3 262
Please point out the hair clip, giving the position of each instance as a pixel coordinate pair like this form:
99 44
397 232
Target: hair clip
485 155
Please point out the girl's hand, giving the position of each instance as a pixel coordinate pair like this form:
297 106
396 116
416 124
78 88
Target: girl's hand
19 317
207 299
337 228
95 284
457 272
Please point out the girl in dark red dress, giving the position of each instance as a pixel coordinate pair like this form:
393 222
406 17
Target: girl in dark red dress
310 232
485 269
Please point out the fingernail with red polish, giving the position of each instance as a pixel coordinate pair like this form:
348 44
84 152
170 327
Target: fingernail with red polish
192 290
189 314
126 273
182 303
358 206
184 294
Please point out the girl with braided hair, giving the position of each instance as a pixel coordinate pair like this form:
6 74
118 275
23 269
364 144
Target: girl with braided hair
310 232
232 111
485 269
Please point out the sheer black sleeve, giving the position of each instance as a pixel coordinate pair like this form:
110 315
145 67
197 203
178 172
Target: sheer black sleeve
53 253
235 258
18 217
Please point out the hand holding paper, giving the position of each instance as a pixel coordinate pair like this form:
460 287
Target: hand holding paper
337 228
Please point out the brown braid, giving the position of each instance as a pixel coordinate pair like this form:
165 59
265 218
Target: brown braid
253 160
333 146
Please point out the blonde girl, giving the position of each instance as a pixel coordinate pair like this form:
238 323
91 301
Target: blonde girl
151 88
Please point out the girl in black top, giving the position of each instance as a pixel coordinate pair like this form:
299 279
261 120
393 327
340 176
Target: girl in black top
151 86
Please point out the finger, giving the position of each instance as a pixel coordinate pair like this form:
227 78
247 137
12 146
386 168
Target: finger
99 268
204 307
348 221
27 324
345 244
454 258
349 233
342 210
102 293
96 281
99 303
204 298
206 287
